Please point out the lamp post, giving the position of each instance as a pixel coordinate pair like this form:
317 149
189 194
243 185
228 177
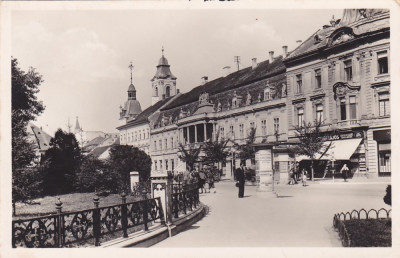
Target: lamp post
333 166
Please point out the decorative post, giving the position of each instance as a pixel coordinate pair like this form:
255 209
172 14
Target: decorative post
96 221
124 215
161 186
59 222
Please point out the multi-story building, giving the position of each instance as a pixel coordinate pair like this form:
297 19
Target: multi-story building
341 76
253 97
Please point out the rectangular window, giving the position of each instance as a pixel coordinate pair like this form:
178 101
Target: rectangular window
166 164
348 70
172 142
155 165
251 124
172 164
276 166
276 125
160 144
222 132
384 104
155 145
319 109
166 144
241 127
299 83
232 132
264 127
352 107
160 164
317 78
382 62
300 116
342 109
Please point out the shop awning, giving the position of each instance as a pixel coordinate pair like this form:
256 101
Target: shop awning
339 150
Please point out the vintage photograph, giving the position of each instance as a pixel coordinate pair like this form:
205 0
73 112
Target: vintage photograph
200 127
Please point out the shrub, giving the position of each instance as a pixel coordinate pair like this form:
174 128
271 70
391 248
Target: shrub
388 197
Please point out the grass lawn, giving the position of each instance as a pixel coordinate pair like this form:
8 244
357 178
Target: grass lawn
370 232
71 202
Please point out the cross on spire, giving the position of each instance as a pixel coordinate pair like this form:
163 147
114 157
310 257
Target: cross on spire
131 67
162 50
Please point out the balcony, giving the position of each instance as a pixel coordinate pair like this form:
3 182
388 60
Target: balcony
349 123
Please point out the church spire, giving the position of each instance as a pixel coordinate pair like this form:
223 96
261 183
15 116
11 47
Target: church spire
131 67
77 126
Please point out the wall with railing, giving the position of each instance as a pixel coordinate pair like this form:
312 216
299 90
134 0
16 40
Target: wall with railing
87 227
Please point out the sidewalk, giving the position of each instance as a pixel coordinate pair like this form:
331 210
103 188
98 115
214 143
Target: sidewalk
299 217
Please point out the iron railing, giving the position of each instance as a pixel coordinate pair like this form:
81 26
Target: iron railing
185 201
86 226
339 218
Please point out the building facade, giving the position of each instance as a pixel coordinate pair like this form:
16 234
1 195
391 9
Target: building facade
341 76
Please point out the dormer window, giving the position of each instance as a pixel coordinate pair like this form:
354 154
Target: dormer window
267 94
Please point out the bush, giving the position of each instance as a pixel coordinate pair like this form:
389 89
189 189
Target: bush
388 197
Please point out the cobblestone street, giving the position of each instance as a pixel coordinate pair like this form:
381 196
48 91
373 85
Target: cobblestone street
299 217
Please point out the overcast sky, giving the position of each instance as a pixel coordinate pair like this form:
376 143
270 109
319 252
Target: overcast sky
84 55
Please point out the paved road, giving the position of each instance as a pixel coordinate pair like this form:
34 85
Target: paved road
299 217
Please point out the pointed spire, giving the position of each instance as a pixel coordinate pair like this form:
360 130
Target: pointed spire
77 126
131 67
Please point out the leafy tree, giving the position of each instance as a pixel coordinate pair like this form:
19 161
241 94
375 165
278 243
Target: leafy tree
388 197
311 142
24 108
89 176
216 151
123 160
190 156
63 160
246 151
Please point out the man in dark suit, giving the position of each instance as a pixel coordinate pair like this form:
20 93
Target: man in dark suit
240 178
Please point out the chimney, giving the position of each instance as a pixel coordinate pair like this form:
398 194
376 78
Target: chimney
299 41
227 70
177 91
284 48
271 56
163 96
204 80
253 63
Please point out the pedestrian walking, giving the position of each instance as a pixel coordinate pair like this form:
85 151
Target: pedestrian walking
291 175
304 176
345 172
240 179
202 180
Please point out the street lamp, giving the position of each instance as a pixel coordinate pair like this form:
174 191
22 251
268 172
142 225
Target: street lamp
333 166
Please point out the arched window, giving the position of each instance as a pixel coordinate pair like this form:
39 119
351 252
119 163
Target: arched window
167 92
156 92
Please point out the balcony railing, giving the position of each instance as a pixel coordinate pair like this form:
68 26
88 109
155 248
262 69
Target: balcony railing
349 123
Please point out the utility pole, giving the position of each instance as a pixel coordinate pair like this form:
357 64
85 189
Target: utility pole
237 61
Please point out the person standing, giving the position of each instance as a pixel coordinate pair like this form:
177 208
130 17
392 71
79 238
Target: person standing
202 180
345 172
304 176
240 179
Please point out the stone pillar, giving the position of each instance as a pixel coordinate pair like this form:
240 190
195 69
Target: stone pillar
161 186
264 172
205 132
134 176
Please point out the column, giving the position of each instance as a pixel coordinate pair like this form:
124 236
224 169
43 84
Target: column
205 132
195 133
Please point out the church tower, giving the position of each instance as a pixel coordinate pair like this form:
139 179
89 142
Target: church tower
164 82
132 107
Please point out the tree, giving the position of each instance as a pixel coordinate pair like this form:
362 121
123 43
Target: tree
311 142
123 160
24 108
190 156
388 196
246 151
89 176
216 151
63 160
